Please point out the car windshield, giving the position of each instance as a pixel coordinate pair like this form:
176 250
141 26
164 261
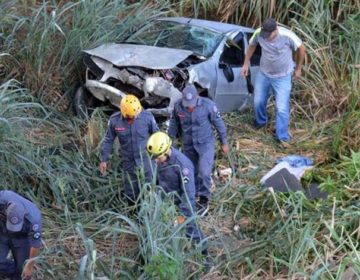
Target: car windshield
168 34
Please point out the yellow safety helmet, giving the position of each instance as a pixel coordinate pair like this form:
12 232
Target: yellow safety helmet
158 144
130 106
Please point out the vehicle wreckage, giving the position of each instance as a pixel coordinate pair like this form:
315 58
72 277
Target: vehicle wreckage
157 61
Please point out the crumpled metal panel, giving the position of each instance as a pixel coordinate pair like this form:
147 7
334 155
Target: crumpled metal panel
161 87
130 79
107 67
123 75
140 55
201 74
105 92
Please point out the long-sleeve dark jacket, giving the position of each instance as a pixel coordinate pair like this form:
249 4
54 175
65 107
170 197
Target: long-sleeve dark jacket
32 226
177 175
196 128
132 138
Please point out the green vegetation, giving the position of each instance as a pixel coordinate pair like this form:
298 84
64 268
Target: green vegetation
51 157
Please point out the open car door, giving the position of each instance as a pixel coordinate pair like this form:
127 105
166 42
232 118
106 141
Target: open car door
231 89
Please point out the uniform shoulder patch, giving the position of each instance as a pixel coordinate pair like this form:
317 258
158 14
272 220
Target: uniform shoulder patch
216 111
185 171
35 227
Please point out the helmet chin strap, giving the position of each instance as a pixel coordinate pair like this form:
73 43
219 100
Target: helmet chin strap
130 120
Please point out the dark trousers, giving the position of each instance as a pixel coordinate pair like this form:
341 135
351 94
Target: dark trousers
133 182
203 159
20 249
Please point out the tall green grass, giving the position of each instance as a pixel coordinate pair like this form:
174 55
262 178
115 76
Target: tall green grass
86 218
90 232
49 39
293 237
331 77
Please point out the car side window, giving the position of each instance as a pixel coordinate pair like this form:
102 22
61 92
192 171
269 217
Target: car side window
233 53
255 59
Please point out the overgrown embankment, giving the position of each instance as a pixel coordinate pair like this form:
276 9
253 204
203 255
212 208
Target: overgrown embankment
51 157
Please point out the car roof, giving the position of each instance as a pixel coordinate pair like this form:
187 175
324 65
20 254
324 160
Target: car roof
214 25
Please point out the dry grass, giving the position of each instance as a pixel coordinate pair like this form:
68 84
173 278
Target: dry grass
249 237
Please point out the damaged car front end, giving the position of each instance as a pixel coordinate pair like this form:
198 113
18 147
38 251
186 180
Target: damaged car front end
155 79
155 63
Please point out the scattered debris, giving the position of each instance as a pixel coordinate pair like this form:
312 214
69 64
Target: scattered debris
296 161
226 172
297 172
286 177
282 181
313 191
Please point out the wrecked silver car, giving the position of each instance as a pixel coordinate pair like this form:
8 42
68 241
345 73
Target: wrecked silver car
157 61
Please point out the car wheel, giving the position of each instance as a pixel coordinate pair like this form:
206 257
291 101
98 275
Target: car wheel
84 103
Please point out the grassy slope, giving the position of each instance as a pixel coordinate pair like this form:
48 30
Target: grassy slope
52 157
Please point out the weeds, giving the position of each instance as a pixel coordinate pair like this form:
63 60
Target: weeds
49 39
90 232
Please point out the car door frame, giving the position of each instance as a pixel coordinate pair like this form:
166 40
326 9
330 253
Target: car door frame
231 94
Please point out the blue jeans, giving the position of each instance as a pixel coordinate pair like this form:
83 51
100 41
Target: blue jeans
282 88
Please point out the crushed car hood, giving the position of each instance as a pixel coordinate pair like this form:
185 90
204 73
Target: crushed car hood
140 55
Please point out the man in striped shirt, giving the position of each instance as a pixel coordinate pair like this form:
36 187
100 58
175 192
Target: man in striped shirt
276 70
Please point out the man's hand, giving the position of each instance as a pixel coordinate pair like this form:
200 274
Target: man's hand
244 70
300 57
225 149
297 73
27 271
103 167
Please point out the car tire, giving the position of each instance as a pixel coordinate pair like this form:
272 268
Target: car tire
84 103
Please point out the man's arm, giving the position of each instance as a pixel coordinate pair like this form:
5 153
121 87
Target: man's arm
27 271
174 124
188 204
35 241
218 123
106 147
153 125
249 53
299 57
187 181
